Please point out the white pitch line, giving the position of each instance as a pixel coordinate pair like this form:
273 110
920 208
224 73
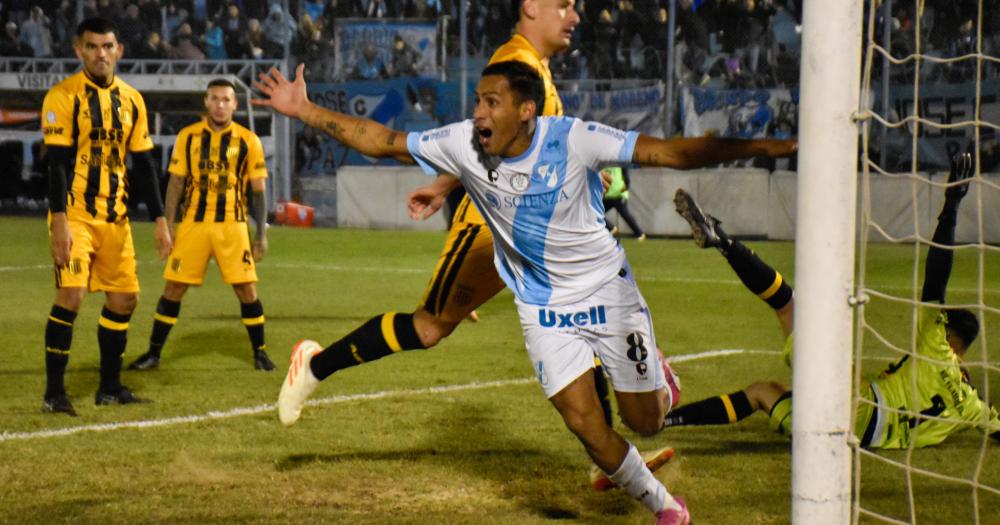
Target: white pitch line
717 353
249 411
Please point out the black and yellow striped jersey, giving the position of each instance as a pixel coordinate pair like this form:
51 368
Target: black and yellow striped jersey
218 167
100 124
520 49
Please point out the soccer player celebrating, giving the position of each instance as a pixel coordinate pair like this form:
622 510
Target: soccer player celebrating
465 278
90 120
891 414
535 179
215 160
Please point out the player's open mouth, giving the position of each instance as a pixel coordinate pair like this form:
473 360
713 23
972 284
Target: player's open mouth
484 135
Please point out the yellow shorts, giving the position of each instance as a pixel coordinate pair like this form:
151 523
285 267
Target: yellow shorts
465 277
101 258
196 242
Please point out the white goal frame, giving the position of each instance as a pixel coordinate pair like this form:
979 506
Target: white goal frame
824 262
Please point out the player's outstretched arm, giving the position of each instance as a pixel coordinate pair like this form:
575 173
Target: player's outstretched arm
706 151
937 270
364 135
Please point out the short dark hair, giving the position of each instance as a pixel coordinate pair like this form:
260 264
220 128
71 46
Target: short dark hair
220 82
523 79
515 9
97 25
964 324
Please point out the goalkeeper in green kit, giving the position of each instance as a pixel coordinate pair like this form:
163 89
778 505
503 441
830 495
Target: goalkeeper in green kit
896 411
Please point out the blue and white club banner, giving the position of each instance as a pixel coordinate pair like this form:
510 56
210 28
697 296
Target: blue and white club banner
404 104
740 113
352 36
639 109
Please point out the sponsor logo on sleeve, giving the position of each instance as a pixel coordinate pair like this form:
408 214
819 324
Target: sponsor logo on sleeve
605 130
436 134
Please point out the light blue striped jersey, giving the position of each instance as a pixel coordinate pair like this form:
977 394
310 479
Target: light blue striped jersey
544 206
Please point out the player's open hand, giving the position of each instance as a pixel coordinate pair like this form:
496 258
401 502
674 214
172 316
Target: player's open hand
605 180
963 168
287 98
424 202
162 238
60 239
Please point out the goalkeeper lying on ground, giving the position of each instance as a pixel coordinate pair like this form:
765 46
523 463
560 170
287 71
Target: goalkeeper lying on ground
891 414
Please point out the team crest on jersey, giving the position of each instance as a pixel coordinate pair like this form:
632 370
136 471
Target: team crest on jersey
51 117
547 173
519 181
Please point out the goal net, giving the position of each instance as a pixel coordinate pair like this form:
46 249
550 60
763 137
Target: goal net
930 92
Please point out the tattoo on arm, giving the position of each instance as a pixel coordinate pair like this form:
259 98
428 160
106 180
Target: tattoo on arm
333 128
259 211
391 140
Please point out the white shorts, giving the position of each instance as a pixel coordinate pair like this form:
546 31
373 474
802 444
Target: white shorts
613 324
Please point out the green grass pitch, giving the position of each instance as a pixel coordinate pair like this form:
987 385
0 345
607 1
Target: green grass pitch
387 446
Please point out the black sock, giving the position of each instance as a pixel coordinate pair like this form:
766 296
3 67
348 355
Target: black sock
603 393
378 337
718 410
167 312
758 276
253 319
58 338
112 334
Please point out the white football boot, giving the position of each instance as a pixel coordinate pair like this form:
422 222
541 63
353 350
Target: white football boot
299 383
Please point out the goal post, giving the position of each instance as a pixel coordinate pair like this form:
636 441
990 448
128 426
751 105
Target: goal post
824 262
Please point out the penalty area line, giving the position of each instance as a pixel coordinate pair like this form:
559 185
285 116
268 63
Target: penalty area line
333 400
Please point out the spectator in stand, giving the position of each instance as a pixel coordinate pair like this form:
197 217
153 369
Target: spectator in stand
110 10
63 30
603 60
176 16
404 58
152 48
307 148
369 66
314 8
89 11
234 30
35 33
215 42
278 29
150 13
629 26
964 43
255 39
132 30
184 47
496 27
11 45
694 33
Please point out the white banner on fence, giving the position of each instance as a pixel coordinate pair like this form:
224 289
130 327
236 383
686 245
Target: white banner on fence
639 109
739 113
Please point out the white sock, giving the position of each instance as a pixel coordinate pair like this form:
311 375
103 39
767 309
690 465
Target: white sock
635 478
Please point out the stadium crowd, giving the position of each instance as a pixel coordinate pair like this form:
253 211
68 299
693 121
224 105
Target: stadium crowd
722 43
